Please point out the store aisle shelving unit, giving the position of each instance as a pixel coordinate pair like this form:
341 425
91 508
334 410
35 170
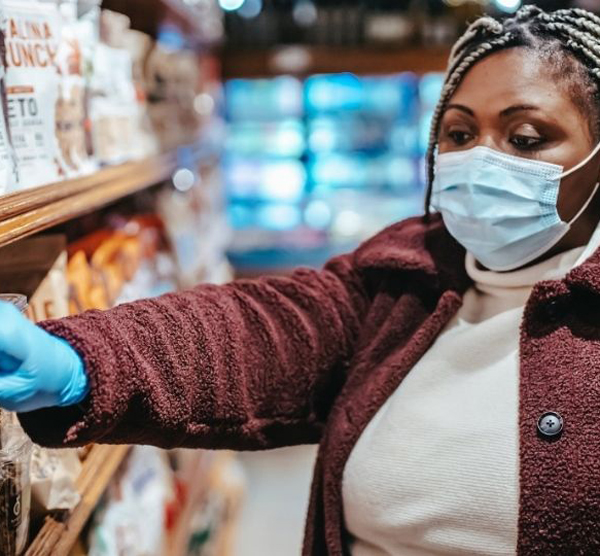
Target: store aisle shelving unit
28 212
31 211
303 61
58 536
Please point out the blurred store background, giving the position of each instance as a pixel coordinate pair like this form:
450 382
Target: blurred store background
328 105
196 141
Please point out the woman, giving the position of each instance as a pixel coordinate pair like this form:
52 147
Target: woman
456 399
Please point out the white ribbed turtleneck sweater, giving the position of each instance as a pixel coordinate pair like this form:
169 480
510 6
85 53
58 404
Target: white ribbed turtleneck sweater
437 470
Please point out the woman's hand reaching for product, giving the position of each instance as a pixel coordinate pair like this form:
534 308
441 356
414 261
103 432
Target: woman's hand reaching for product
37 370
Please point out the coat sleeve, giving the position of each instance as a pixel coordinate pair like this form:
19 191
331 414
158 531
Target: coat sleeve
250 365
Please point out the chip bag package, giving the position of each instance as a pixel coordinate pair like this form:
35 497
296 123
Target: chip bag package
32 34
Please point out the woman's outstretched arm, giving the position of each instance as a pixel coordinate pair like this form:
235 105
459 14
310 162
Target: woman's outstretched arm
249 365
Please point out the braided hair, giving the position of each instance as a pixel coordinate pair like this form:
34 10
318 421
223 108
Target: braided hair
568 40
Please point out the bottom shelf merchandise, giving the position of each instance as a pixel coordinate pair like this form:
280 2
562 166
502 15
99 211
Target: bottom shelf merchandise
189 511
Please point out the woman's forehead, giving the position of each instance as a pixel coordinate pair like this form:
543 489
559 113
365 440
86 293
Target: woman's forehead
508 77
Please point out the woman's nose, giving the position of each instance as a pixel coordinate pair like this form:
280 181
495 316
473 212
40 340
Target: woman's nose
488 141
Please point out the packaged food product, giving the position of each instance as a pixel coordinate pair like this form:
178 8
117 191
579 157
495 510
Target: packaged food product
15 489
107 261
139 45
8 165
37 267
18 300
198 231
188 87
114 108
32 36
88 35
173 83
119 527
85 287
71 104
53 476
215 516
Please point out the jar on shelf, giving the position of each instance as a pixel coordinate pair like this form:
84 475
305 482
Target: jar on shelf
15 479
15 490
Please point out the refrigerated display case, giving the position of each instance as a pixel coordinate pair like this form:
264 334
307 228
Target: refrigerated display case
315 166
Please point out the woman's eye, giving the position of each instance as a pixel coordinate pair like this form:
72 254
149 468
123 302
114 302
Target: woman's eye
525 142
459 137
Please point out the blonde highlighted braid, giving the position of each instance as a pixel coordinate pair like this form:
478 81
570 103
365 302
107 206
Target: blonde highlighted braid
569 39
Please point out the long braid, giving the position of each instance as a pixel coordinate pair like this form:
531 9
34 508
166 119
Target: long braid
573 31
582 23
483 24
580 13
579 41
582 36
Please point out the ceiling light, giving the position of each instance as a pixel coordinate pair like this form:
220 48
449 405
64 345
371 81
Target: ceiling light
231 5
250 9
508 5
305 13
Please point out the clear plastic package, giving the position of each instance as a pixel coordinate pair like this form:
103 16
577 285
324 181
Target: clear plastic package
15 478
15 490
18 300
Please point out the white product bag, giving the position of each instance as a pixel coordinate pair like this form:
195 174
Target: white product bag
32 37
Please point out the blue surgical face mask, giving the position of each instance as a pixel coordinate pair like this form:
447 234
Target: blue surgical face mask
501 208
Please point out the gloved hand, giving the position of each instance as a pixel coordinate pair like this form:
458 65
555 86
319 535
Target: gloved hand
37 370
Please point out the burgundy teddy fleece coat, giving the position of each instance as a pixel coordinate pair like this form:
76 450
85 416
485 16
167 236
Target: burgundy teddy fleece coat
311 358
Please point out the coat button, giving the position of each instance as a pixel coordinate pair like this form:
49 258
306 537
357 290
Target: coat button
550 424
555 309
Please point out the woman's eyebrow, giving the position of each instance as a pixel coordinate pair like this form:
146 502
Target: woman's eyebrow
518 108
462 108
503 114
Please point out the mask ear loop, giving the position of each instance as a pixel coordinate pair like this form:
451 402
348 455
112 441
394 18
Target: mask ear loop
578 167
585 205
582 163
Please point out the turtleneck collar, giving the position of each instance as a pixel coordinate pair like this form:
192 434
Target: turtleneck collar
554 268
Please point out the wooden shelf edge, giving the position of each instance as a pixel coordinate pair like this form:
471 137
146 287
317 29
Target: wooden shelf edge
56 538
20 202
28 212
367 60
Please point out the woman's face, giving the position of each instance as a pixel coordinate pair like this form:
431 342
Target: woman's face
510 102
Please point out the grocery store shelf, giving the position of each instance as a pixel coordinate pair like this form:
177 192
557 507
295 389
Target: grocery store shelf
27 212
303 61
198 480
201 478
57 537
147 15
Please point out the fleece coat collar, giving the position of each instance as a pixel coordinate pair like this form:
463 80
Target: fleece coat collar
559 510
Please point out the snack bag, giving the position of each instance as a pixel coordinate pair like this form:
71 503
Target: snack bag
114 108
32 37
8 166
71 104
87 32
54 475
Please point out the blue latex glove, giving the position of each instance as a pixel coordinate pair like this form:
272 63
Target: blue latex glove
37 370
